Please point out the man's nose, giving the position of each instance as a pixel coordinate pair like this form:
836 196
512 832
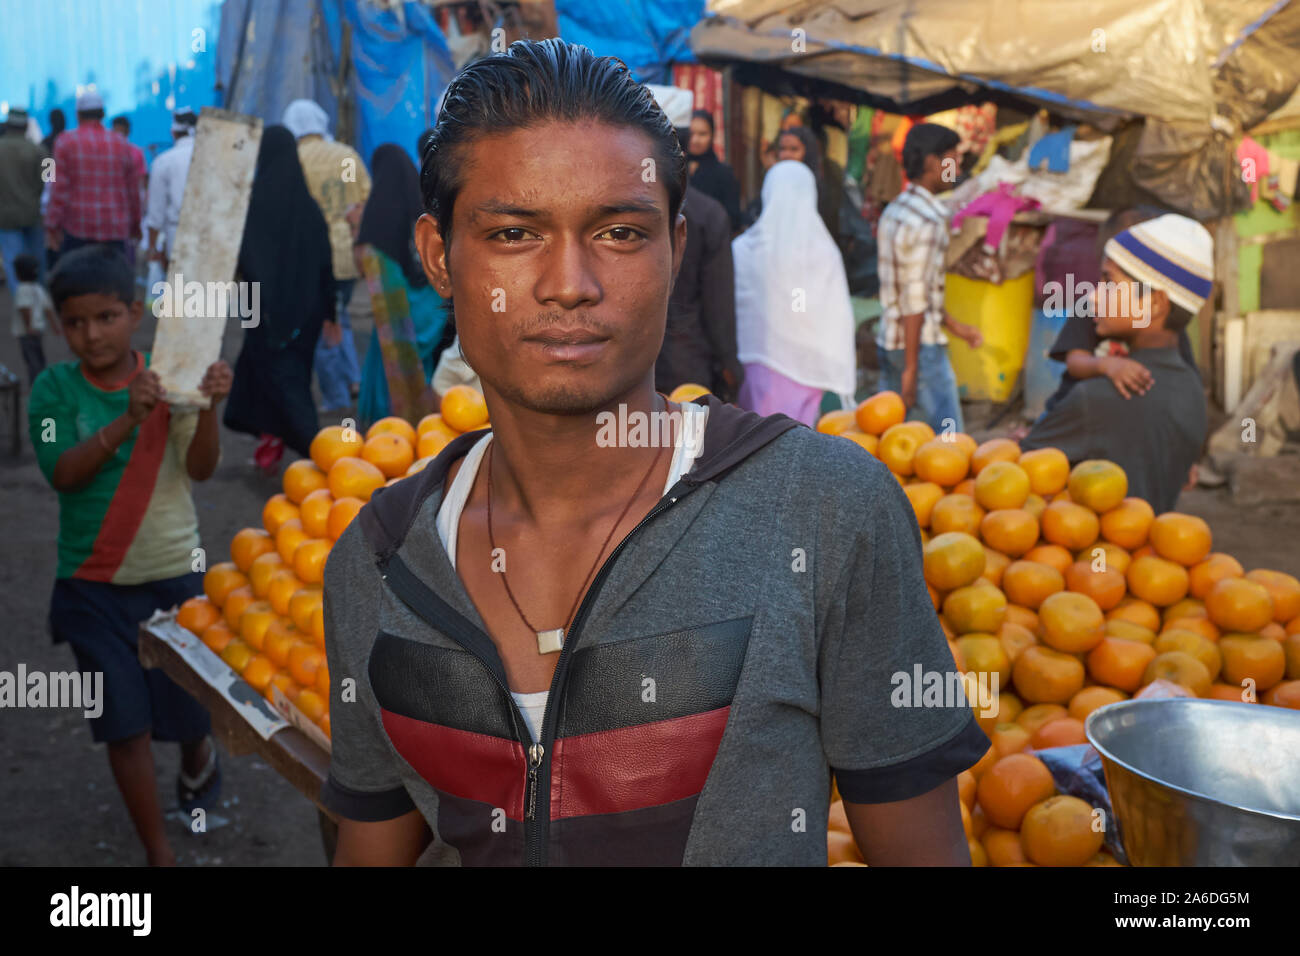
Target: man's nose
568 279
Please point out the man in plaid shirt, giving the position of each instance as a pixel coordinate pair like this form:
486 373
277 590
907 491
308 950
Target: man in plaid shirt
95 195
913 238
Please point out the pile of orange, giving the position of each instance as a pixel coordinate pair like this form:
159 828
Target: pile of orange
1076 595
262 610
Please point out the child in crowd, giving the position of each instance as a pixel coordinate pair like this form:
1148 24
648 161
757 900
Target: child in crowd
122 459
32 312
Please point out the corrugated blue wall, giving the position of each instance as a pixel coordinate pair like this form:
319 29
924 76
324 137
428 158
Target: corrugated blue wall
139 54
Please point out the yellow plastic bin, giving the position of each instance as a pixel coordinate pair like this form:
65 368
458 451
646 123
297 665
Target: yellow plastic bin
1003 314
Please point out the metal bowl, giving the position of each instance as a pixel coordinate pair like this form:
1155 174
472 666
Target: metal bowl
1202 782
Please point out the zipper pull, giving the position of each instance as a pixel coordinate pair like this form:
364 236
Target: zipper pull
535 754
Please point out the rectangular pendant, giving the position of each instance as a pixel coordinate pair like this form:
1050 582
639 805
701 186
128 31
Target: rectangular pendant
548 642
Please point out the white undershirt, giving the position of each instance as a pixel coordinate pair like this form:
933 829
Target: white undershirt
685 453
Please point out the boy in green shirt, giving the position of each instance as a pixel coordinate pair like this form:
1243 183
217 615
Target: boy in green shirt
122 459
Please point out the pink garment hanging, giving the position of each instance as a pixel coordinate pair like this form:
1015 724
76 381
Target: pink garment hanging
1000 205
1248 149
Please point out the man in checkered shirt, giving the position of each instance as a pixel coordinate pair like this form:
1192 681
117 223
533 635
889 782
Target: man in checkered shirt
95 195
913 238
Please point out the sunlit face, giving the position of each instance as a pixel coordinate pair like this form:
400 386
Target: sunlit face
560 264
1121 305
789 146
701 137
98 328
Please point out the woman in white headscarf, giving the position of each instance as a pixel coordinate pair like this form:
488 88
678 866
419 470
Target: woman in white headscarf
794 321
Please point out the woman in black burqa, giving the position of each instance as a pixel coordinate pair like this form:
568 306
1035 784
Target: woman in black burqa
286 250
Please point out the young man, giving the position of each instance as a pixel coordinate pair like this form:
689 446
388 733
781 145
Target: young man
552 647
913 238
21 163
1155 277
122 460
167 187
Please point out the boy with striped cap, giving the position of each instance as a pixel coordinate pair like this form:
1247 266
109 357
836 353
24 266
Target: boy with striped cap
1155 277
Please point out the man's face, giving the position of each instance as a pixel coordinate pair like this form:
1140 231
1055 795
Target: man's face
790 146
701 137
98 328
560 264
1121 305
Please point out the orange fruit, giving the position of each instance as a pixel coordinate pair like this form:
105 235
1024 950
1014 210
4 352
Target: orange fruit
995 562
248 544
301 603
309 560
1097 484
283 583
341 514
332 443
1179 537
687 392
264 566
1117 662
1273 630
956 512
975 608
1003 847
431 443
923 495
323 680
1007 706
1107 555
418 465
1011 786
1015 639
1053 555
434 423
314 512
258 672
1028 583
236 601
1128 631
217 635
1219 691
280 638
941 462
1090 698
1180 668
1034 504
1103 859
1001 484
198 614
1137 611
220 580
1070 525
1013 531
1283 588
1214 568
1071 622
1239 604
965 789
1157 580
880 412
1285 694
285 683
302 478
355 478
1197 625
318 626
277 510
304 661
963 442
390 453
837 818
995 449
898 447
287 539
392 425
463 408
984 654
1043 675
311 704
1009 738
1246 656
1291 649
983 765
1064 732
1107 587
1060 831
1031 718
1190 643
836 421
1143 551
237 654
324 724
253 623
1048 470
1025 617
1128 523
953 560
965 487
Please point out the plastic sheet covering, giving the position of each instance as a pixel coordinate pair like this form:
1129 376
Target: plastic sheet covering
648 35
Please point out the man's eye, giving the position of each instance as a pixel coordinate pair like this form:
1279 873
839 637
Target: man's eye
623 234
511 234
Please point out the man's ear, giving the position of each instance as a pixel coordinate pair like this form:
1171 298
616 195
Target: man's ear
433 254
679 243
1159 307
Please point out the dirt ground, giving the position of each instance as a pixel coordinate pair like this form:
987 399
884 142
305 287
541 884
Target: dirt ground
60 803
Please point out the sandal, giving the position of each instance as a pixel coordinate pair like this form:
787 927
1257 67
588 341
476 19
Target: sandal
202 791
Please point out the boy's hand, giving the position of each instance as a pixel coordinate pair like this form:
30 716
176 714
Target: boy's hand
1129 377
145 392
217 381
972 336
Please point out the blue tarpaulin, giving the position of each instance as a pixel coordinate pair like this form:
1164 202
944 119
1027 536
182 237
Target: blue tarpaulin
648 35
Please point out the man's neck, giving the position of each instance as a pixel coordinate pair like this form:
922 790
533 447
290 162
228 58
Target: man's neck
1152 339
551 468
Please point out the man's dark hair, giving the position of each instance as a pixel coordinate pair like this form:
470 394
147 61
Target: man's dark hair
58 122
421 141
96 114
26 268
705 115
98 269
123 122
1177 318
925 140
531 83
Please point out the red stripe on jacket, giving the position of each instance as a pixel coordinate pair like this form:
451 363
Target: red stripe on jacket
130 500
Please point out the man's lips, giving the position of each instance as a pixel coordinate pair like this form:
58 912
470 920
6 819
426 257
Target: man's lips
567 337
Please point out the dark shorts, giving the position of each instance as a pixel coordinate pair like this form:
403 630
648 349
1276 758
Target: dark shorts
101 623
